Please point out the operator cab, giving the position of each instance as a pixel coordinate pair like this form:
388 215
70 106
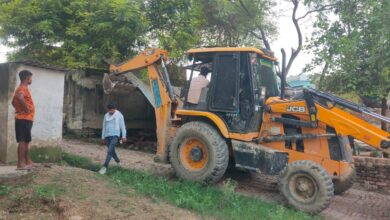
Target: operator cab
240 80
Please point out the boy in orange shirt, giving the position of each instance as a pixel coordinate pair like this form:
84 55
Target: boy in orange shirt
25 110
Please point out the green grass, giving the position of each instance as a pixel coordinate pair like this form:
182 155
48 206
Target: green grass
49 190
79 161
46 154
56 155
222 203
5 189
208 201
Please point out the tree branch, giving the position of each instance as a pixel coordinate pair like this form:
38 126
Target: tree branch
263 36
256 35
295 52
323 8
322 77
244 7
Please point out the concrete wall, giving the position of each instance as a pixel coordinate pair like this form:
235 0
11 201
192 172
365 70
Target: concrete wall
84 106
4 91
73 103
47 90
85 103
10 145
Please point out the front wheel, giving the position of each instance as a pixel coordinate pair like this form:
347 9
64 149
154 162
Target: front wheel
306 186
199 153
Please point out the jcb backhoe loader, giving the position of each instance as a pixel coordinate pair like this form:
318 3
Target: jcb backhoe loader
243 117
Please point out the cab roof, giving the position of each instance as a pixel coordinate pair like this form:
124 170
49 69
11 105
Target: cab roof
232 49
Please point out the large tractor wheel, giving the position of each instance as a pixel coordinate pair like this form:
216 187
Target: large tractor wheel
199 153
306 186
342 185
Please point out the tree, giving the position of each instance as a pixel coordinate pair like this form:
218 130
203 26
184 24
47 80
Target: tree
82 33
236 23
354 48
260 28
72 33
175 24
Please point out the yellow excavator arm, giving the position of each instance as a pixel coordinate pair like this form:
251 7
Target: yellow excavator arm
343 122
142 60
154 61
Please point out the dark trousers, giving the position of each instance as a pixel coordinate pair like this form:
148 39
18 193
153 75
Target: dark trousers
23 130
111 142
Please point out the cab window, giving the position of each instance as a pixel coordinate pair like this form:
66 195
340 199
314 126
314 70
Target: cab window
264 74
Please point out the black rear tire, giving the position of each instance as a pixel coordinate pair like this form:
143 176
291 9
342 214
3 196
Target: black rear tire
306 186
215 145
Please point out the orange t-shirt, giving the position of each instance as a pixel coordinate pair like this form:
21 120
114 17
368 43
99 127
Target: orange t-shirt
20 114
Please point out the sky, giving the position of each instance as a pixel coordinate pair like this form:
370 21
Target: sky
287 37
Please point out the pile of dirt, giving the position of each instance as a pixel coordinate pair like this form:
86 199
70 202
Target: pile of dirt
63 192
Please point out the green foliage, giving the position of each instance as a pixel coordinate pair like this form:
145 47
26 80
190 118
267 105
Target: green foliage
179 25
175 23
351 96
235 23
72 33
82 33
354 47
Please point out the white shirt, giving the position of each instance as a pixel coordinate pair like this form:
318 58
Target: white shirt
196 86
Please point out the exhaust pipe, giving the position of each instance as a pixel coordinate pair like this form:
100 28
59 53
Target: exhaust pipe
283 75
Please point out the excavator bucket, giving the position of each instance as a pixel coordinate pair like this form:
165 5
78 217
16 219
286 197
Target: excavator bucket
111 83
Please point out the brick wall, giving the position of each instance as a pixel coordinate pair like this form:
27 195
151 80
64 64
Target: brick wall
373 173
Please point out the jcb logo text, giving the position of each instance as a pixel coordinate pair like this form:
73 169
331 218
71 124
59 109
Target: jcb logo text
296 109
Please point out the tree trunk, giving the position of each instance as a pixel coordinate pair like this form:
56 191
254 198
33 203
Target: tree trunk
383 113
324 70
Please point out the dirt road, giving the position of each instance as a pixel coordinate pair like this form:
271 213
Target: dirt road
355 204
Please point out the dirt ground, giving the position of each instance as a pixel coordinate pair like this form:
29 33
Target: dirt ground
355 204
61 192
